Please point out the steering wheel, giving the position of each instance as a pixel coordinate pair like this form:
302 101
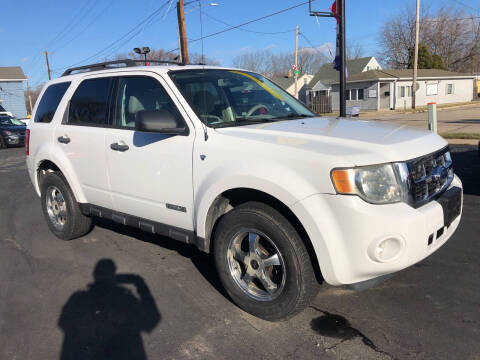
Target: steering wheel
257 107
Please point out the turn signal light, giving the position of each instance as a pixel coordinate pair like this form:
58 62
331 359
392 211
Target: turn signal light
342 179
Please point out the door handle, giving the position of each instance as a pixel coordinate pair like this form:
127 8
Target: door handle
119 147
64 139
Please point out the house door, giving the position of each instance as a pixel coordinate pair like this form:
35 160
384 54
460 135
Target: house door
385 95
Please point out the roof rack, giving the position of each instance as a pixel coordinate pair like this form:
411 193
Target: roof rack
108 65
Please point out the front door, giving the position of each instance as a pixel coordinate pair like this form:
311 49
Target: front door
150 174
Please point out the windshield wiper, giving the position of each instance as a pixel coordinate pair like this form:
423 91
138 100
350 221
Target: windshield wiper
292 116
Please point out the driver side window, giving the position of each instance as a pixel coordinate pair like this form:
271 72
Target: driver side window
140 93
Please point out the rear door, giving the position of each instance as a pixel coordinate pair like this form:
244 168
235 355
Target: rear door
81 138
150 173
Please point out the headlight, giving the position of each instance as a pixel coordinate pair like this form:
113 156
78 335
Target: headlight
377 184
7 133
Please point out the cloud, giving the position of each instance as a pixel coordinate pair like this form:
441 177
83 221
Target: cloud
327 49
25 59
271 46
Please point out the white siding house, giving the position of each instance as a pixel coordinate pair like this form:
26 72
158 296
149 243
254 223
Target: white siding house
11 90
392 89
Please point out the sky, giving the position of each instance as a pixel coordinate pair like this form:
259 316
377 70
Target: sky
86 31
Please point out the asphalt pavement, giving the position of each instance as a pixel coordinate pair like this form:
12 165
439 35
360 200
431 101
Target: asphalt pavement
176 308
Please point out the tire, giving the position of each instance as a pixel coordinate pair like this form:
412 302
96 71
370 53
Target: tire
61 210
3 145
292 283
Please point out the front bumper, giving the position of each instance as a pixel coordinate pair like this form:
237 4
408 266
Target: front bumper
346 231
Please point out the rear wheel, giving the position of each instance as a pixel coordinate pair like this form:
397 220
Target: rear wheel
61 210
263 263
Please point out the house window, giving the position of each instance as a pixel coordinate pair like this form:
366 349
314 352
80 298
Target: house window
353 94
401 91
450 89
360 94
347 94
432 89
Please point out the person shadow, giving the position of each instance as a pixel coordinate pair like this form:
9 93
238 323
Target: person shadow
106 320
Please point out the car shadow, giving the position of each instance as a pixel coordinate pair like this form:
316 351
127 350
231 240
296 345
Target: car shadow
203 262
466 163
105 320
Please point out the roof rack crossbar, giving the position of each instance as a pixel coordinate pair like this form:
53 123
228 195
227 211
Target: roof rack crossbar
107 65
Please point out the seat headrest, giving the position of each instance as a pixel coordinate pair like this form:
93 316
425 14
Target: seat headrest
134 105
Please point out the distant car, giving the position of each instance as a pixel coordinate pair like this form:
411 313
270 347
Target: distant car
12 132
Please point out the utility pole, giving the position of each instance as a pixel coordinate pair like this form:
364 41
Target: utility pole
29 97
182 32
415 61
296 61
343 68
48 66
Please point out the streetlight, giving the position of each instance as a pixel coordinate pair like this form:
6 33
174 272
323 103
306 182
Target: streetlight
144 50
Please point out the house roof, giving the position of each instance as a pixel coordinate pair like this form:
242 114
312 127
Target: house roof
284 81
12 73
328 75
402 73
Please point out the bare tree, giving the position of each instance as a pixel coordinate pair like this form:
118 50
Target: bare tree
162 55
449 33
354 50
34 93
279 64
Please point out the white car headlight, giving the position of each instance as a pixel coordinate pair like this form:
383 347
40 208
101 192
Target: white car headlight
377 184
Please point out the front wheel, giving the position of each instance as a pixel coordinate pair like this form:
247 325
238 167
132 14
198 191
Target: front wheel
61 210
263 263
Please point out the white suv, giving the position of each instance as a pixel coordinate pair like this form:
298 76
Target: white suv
224 159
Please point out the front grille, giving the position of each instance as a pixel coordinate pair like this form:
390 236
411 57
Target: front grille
429 175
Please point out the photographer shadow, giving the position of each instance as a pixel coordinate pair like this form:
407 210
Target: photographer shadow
106 320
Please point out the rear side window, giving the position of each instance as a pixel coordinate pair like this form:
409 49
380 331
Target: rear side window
89 103
49 102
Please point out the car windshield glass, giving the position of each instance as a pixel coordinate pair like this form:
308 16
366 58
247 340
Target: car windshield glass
9 121
223 98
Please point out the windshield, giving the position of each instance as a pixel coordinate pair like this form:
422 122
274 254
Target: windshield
9 121
231 97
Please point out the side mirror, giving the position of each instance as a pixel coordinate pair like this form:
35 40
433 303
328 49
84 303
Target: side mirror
159 121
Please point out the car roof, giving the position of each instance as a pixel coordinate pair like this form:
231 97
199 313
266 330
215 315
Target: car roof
161 69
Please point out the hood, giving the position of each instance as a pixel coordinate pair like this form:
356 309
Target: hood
13 128
361 142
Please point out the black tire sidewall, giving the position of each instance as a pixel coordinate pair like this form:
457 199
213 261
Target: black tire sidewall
285 238
54 179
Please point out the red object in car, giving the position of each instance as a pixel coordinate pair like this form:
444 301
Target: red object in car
27 142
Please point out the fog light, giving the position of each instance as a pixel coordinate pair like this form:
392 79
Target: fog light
386 250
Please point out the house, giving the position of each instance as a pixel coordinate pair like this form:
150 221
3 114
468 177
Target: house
321 84
12 90
288 83
392 89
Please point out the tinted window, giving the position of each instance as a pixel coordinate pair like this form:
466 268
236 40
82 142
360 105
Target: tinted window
89 103
140 93
49 102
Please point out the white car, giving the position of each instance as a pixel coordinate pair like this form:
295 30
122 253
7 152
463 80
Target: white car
226 160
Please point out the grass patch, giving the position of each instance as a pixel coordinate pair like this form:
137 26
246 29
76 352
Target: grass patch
473 136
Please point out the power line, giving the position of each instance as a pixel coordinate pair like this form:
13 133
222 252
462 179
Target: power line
142 24
243 24
86 27
466 5
248 30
